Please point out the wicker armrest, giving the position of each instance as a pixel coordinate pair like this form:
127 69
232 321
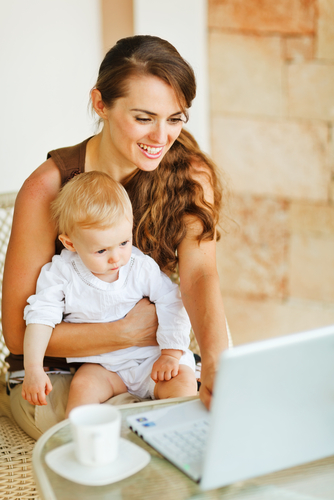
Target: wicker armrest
16 476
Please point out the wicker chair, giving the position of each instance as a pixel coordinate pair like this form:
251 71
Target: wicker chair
16 476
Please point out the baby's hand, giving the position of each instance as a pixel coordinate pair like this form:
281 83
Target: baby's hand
36 386
165 368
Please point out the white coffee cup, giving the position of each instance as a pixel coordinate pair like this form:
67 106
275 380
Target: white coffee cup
96 433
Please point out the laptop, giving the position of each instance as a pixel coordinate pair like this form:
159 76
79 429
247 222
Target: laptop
272 408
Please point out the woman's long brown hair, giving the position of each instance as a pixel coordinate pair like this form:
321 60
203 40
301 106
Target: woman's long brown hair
162 200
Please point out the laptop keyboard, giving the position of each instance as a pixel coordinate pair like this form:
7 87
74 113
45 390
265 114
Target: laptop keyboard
185 446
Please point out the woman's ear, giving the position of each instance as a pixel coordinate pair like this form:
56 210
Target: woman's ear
98 104
67 242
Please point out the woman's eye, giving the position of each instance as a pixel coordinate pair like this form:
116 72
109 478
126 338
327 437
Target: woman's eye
143 120
100 251
176 120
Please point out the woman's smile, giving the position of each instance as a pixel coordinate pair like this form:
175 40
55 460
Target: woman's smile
151 151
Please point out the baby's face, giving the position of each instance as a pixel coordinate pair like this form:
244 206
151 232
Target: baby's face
105 251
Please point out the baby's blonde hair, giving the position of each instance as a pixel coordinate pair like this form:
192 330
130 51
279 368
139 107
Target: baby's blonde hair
90 199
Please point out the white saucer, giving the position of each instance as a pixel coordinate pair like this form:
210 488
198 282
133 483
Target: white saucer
130 460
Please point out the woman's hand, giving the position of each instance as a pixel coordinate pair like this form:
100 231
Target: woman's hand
142 324
208 374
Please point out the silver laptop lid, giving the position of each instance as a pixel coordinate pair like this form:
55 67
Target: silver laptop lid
273 407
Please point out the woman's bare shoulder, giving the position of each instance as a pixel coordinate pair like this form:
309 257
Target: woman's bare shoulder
32 222
42 185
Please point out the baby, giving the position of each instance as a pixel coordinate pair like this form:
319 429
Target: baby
99 277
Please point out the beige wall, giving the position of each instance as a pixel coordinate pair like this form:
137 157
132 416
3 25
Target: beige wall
117 21
49 58
272 110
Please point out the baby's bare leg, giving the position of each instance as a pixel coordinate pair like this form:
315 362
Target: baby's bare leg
184 384
92 383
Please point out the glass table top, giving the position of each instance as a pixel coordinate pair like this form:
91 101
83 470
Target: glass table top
160 480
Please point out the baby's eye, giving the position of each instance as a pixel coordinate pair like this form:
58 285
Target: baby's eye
101 251
124 243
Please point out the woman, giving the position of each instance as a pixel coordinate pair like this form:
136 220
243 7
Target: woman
142 94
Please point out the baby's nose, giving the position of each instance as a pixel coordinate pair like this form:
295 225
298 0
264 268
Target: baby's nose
113 258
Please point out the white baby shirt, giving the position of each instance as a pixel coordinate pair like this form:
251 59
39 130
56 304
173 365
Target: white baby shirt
67 290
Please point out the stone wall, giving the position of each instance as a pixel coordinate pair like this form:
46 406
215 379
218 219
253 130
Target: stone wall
271 68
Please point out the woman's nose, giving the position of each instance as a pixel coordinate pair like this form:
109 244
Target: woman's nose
159 134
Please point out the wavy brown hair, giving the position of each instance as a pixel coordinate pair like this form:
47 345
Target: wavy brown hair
162 199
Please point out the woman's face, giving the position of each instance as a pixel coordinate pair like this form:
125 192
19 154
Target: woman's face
142 126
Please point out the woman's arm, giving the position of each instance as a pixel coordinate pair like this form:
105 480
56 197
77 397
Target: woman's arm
31 245
202 299
138 328
201 296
